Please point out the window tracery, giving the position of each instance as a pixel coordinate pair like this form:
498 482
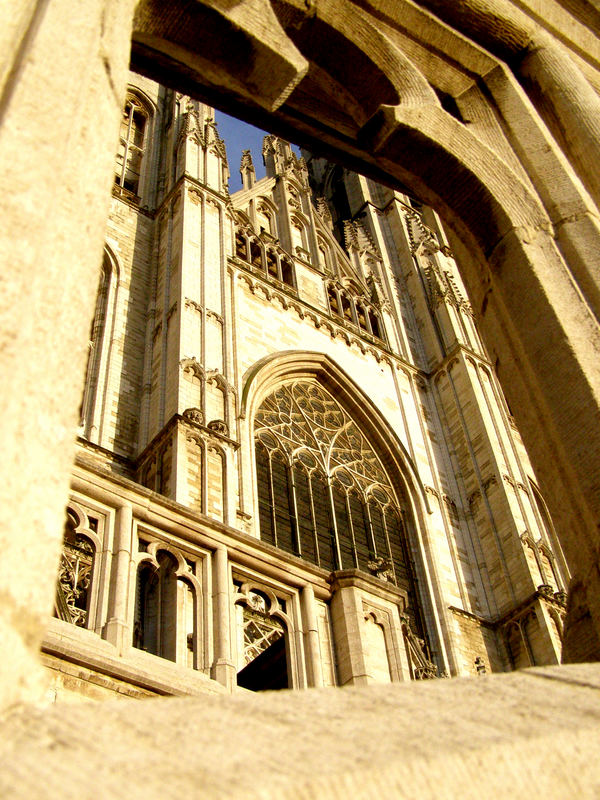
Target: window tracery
167 618
75 572
264 257
261 630
354 310
265 650
132 144
323 492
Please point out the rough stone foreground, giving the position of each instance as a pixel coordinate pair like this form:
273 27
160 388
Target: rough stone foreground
534 733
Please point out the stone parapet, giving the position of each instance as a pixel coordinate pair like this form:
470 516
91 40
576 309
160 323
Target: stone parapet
524 734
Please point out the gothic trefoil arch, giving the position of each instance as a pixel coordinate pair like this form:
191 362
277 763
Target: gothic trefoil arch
75 585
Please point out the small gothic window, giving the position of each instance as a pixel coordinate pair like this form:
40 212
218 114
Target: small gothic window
256 257
264 658
298 235
322 253
155 626
74 574
272 264
132 142
361 317
166 615
375 324
287 271
334 305
240 246
96 349
346 307
264 220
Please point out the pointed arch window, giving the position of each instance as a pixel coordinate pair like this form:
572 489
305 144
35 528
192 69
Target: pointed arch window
272 270
156 607
167 618
241 245
334 301
355 311
346 308
287 271
322 490
132 145
265 649
256 254
73 602
375 324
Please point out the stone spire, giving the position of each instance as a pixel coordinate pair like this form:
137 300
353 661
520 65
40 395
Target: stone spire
324 212
277 155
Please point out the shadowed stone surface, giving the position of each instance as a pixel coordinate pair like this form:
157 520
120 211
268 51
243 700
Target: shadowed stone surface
530 733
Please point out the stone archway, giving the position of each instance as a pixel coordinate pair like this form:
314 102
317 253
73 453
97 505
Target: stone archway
517 190
360 82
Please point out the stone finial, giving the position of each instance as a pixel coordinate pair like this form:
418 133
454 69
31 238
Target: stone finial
219 426
382 568
358 237
324 212
350 239
546 590
213 140
247 170
194 415
246 162
277 155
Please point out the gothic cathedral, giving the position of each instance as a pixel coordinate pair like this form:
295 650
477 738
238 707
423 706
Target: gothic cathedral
295 465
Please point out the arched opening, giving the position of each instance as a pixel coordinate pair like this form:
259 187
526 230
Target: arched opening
271 264
346 307
374 323
155 625
241 246
287 271
256 254
324 493
263 657
361 317
75 573
334 303
133 139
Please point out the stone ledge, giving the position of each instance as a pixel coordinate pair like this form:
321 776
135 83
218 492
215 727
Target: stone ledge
518 735
137 668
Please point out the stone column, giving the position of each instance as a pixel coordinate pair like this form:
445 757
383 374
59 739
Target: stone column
346 618
117 629
63 71
311 636
223 668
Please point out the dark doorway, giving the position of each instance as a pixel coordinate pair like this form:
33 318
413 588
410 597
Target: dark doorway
267 671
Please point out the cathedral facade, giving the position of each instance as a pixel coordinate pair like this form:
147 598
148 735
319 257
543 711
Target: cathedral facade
295 464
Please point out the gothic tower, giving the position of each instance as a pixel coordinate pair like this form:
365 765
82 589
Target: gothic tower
295 466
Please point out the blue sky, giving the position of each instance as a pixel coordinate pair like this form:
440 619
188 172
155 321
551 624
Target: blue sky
240 136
